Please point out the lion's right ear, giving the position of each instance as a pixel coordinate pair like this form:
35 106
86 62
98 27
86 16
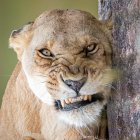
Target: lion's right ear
19 39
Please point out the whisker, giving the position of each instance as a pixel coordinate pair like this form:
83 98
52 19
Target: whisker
107 85
111 86
43 82
40 75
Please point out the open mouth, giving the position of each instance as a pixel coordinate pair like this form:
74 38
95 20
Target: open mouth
77 102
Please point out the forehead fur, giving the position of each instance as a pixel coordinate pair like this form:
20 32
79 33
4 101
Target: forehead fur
65 17
66 26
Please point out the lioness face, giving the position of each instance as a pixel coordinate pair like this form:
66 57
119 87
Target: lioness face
65 55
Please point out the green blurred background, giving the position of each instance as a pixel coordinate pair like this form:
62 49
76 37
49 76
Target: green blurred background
15 13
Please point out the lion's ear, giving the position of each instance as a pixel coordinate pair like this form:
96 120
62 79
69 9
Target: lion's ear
108 24
108 27
19 39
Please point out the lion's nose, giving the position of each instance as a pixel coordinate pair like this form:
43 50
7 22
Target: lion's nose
75 85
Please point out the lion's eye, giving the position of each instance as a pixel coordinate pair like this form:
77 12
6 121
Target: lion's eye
45 53
92 48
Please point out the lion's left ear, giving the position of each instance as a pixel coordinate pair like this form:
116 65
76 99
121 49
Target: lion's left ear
108 27
108 24
19 39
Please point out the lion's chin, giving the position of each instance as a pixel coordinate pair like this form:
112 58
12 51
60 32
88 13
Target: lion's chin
83 116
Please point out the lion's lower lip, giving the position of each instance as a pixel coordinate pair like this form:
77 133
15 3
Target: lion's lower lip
78 104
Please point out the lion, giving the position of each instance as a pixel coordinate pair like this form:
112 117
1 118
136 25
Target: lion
62 82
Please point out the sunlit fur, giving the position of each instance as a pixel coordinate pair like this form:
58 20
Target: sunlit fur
66 34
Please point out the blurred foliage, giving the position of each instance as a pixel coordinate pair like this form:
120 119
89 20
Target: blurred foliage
15 13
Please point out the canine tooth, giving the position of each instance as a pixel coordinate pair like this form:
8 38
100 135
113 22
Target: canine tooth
90 98
62 103
70 100
85 97
67 101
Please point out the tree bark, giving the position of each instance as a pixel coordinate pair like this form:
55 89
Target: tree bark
124 107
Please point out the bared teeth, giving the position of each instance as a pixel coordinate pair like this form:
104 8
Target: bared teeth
76 99
85 97
90 98
63 103
72 100
67 101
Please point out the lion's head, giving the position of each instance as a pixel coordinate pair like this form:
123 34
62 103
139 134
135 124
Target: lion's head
66 57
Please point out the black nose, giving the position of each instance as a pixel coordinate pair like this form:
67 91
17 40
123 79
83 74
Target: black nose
75 85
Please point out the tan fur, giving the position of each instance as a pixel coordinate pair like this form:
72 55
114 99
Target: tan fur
28 111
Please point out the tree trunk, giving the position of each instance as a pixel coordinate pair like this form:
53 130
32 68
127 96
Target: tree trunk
124 106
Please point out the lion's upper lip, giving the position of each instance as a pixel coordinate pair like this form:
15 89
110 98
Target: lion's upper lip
60 105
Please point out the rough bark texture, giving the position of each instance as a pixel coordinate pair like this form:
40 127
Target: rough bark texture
124 107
